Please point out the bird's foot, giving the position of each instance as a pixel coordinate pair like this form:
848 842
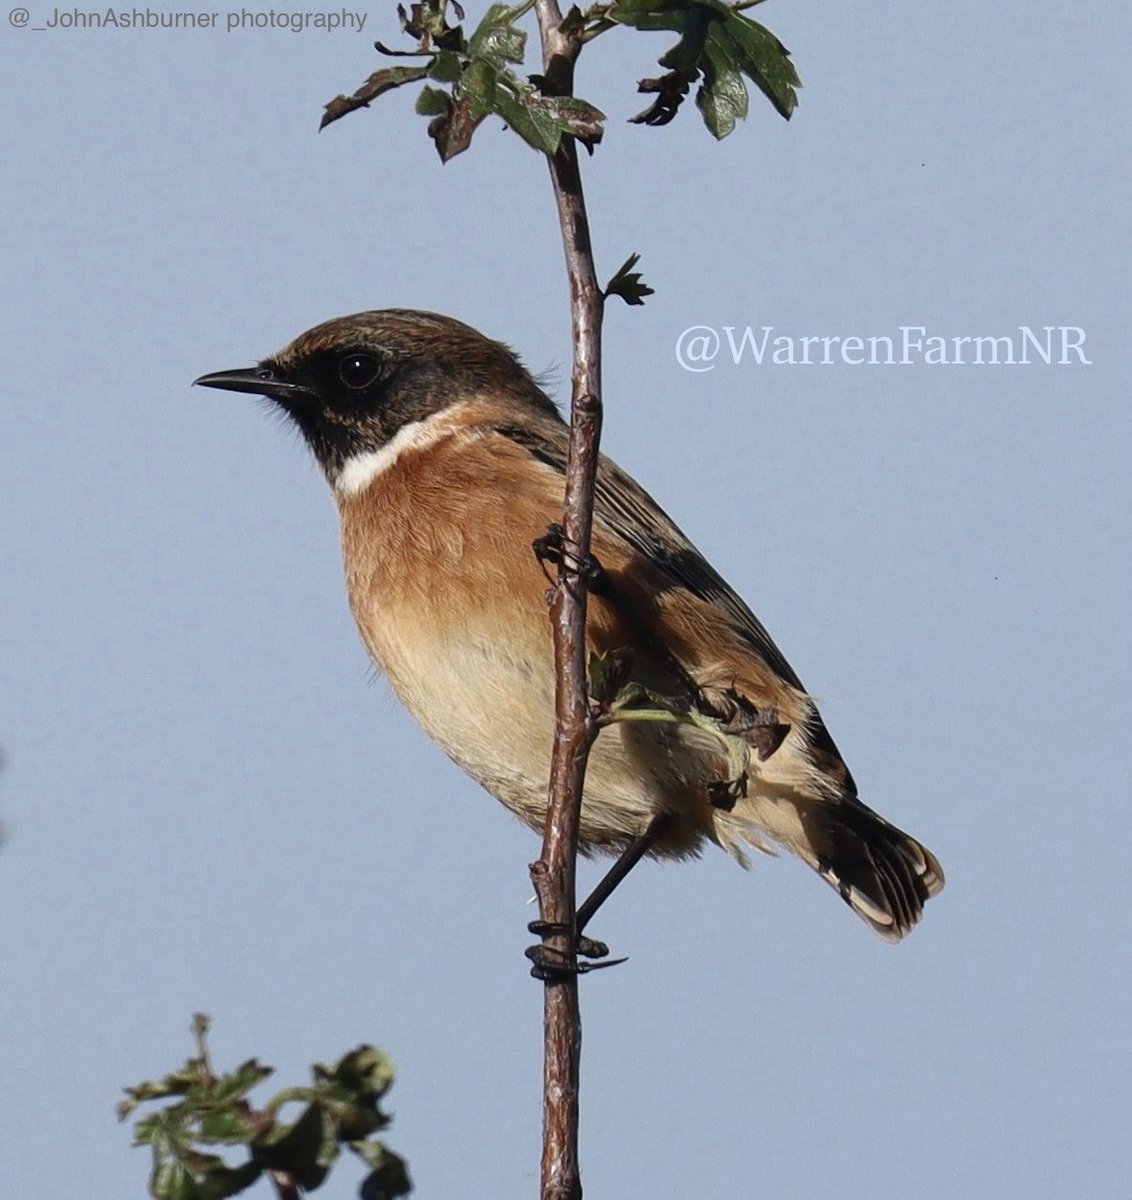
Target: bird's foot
548 963
552 965
587 947
556 549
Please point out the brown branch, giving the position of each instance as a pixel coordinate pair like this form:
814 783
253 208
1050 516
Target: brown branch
553 874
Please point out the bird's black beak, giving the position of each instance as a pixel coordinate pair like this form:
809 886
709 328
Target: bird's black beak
260 381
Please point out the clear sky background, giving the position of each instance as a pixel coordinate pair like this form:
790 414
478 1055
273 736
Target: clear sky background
208 802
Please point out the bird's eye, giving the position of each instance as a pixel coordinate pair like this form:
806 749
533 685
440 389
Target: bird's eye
358 370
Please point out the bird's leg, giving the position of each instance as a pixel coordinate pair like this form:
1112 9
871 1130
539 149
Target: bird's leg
626 861
546 963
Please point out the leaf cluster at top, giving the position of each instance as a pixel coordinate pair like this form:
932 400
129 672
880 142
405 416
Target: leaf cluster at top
470 77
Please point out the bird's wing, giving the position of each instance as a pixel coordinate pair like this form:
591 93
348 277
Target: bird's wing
686 603
625 510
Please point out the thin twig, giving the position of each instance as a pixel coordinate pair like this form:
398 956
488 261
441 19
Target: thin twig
553 874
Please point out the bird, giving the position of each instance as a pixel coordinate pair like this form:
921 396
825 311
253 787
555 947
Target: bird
446 460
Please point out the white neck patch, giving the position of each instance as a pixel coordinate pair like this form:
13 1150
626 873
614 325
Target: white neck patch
360 470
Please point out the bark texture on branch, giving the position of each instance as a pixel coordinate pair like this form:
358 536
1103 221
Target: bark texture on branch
553 874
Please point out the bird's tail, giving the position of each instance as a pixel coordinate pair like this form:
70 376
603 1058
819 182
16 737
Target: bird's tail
884 875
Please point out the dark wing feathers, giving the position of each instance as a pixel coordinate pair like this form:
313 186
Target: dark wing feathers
626 509
623 507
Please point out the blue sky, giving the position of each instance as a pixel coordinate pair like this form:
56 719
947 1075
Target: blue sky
209 802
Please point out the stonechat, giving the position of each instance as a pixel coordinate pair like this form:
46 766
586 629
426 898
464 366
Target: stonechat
446 461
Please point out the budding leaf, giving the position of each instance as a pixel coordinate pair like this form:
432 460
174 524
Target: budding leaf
573 21
628 283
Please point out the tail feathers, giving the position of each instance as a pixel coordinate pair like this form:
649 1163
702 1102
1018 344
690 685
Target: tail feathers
884 875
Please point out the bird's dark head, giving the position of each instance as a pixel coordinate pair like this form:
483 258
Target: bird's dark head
352 383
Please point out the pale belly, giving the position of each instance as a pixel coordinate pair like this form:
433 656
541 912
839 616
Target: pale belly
490 706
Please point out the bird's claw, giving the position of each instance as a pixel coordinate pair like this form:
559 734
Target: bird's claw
587 947
555 548
552 965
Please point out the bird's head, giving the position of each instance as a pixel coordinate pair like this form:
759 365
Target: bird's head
352 383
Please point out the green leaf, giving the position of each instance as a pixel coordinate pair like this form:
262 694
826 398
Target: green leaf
177 1083
452 124
496 40
230 1181
216 1180
629 285
172 1181
236 1085
576 117
304 1150
352 1091
364 1071
763 58
389 1176
608 672
479 86
693 24
722 98
341 1108
718 45
539 120
232 1125
446 67
432 102
428 23
631 12
376 85
481 82
200 1177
